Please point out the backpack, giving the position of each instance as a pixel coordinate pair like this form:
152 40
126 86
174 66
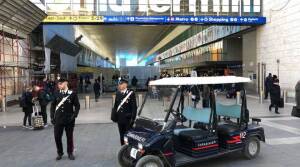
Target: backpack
22 100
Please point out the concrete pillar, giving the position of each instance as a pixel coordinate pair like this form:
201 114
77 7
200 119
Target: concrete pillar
87 102
261 97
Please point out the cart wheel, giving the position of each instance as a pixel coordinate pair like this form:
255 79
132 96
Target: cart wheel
123 156
252 148
150 161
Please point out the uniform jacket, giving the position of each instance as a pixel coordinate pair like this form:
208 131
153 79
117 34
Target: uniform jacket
127 112
67 112
269 82
275 94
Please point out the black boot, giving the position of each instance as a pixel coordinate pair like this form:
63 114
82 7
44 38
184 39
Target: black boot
71 157
59 157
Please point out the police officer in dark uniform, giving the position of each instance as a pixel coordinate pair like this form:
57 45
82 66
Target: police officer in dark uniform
126 112
64 110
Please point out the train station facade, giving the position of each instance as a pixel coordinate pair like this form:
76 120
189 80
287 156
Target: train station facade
249 38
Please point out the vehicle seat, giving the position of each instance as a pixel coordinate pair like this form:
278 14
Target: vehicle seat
194 115
228 128
231 111
193 134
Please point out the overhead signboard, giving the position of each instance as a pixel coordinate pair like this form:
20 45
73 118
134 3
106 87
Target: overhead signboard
236 20
186 20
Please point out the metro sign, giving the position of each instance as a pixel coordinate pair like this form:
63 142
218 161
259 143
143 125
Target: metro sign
161 6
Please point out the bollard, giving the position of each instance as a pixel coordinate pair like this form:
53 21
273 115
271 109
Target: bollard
140 101
113 100
87 102
284 96
238 97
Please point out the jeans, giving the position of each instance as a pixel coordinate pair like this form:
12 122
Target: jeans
27 116
44 113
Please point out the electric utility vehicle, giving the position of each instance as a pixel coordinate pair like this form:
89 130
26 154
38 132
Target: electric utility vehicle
187 134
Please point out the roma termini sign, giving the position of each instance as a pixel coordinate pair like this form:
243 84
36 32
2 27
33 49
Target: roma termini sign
240 12
162 6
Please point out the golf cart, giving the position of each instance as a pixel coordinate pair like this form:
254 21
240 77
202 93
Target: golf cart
187 134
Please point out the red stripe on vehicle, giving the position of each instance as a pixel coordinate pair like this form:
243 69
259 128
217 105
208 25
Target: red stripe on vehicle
235 139
205 147
168 154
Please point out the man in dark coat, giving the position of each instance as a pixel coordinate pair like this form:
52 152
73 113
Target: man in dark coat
134 82
64 110
43 101
268 85
126 112
97 88
275 96
195 93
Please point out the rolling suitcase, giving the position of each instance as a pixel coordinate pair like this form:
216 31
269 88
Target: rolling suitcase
281 103
36 119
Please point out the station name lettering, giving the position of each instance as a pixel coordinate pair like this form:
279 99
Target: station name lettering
176 6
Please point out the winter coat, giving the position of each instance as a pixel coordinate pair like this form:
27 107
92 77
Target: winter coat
275 94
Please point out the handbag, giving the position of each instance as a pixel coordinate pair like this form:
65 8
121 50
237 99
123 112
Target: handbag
114 112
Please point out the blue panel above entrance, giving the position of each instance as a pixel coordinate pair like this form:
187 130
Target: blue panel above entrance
231 20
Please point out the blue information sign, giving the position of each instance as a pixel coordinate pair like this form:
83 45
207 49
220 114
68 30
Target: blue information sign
240 20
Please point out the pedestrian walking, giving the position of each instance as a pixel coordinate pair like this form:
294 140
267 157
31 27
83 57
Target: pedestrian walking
125 109
195 94
97 89
134 83
26 102
44 98
275 96
268 85
205 96
64 110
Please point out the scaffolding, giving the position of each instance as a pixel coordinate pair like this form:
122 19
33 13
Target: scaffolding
15 62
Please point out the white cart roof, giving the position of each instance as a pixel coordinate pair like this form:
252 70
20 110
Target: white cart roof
177 81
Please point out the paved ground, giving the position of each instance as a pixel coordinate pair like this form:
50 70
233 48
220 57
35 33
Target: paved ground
97 140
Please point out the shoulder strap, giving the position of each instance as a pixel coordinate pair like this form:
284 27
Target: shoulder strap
62 101
124 100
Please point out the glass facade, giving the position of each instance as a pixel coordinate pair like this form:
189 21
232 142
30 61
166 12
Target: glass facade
211 52
89 58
